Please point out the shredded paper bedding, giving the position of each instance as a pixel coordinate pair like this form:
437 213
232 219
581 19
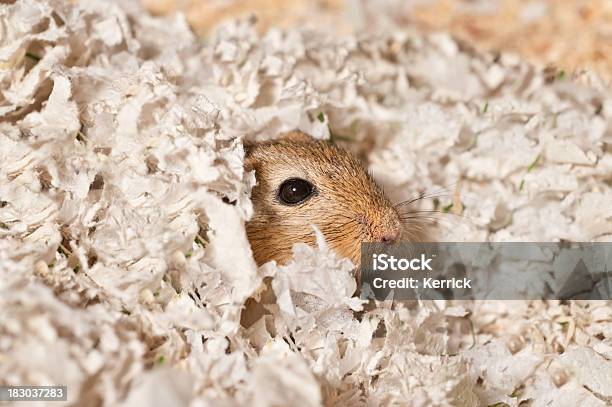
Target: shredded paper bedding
123 269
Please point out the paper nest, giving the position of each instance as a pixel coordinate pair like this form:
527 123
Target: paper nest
123 272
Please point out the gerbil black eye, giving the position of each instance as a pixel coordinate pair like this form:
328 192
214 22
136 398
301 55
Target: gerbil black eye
294 191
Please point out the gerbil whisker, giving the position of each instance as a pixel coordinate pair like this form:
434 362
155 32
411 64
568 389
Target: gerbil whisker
419 225
455 215
419 217
434 211
423 195
430 219
339 232
412 231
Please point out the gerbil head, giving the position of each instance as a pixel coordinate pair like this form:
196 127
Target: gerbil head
302 181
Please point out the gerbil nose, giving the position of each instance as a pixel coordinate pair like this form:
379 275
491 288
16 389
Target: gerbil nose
390 237
389 230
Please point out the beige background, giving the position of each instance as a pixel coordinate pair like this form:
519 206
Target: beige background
570 34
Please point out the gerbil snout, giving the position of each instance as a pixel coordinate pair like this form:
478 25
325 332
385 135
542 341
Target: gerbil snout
303 182
385 227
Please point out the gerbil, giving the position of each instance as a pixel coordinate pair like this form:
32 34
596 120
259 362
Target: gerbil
302 181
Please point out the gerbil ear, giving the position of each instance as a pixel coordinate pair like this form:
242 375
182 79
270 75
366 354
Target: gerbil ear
248 147
249 160
296 135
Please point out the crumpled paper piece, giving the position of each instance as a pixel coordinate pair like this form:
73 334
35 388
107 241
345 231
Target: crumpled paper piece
123 201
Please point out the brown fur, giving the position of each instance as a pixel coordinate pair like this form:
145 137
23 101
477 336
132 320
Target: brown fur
348 207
